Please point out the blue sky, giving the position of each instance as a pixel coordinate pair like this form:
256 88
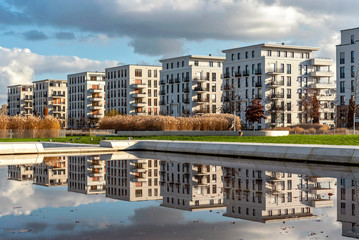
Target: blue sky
49 39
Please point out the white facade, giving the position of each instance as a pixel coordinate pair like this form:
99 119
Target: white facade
20 100
133 180
21 172
279 76
347 53
86 99
192 187
133 89
52 94
52 172
86 175
191 85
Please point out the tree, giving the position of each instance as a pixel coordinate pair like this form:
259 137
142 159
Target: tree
351 110
46 111
311 106
255 111
315 108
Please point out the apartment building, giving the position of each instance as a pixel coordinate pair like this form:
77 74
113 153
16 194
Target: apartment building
21 172
133 89
347 53
86 99
347 205
3 109
51 94
86 174
20 100
285 78
52 172
133 179
266 196
191 85
191 187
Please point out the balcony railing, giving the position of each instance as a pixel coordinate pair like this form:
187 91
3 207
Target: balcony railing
272 71
245 73
276 83
186 79
162 82
186 90
227 75
277 95
237 74
258 71
177 80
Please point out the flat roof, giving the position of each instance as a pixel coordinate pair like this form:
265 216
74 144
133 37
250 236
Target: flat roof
196 57
45 80
138 65
85 72
283 46
349 29
20 85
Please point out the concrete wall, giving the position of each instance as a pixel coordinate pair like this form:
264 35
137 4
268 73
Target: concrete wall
20 148
200 133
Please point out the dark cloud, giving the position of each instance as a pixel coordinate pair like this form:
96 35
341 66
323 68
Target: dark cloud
65 35
154 216
36 226
65 226
34 35
157 46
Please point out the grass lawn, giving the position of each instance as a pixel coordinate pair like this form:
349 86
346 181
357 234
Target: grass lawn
293 139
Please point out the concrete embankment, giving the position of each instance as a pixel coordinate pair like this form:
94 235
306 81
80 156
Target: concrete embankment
293 152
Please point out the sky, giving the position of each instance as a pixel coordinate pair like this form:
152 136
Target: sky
42 39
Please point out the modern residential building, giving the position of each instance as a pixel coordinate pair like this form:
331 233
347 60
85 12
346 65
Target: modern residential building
51 94
347 205
52 172
21 172
347 53
192 187
191 85
133 180
86 99
86 175
284 78
3 109
133 89
19 100
265 196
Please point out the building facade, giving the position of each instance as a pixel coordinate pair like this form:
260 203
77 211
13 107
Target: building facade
51 95
133 89
191 85
20 100
86 99
21 172
52 172
133 180
347 76
284 78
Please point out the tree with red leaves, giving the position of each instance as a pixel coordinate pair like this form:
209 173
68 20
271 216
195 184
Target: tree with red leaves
255 111
46 111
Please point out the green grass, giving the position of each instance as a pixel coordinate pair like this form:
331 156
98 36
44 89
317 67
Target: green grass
292 139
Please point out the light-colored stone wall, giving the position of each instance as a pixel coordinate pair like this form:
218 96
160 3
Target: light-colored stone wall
20 100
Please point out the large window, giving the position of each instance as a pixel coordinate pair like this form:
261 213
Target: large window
342 72
138 72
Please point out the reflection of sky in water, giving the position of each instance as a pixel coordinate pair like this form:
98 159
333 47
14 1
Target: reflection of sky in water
55 213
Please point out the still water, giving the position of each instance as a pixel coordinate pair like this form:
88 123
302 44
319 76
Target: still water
146 195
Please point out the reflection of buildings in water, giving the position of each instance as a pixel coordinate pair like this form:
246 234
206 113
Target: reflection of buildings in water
347 209
21 172
133 180
87 175
265 196
190 186
52 172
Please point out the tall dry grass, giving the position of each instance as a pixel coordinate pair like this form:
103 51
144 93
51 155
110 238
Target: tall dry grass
29 127
206 122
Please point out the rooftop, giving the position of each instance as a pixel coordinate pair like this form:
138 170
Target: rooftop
270 45
196 57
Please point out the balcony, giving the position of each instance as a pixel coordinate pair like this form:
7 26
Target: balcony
321 74
275 84
140 85
201 101
258 71
200 89
186 90
275 71
329 97
186 101
139 104
258 84
99 90
276 95
171 81
162 82
321 62
226 75
186 79
95 99
162 102
322 203
138 95
162 92
139 179
99 107
237 74
246 73
277 108
58 95
322 190
96 115
177 80
323 85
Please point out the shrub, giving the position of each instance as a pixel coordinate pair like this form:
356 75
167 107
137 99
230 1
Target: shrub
205 122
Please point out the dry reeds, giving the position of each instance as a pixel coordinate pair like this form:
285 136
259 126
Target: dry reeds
206 122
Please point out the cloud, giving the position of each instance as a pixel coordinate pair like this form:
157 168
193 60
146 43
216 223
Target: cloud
20 66
65 35
161 27
35 35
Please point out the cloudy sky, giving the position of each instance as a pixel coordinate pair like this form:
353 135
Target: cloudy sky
48 39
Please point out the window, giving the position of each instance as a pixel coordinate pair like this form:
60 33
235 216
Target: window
196 63
218 64
278 53
342 57
352 56
252 54
238 56
289 69
352 73
182 63
285 54
210 63
289 81
138 72
155 73
289 118
352 39
269 53
246 55
232 57
342 72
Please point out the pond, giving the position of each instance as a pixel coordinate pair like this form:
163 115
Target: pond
148 195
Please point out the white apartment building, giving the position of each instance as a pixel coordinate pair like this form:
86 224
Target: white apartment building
86 99
191 85
133 180
347 53
133 89
191 187
280 76
51 94
86 174
21 172
347 205
52 172
19 100
265 196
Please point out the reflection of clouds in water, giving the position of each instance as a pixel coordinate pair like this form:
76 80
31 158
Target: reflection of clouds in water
20 198
165 223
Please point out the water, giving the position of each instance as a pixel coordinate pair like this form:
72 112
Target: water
146 195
